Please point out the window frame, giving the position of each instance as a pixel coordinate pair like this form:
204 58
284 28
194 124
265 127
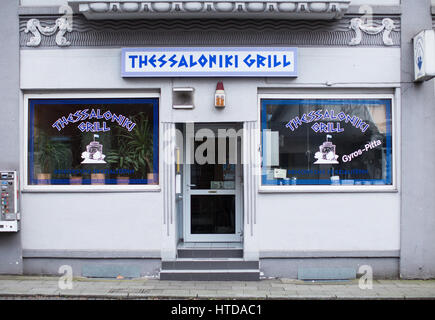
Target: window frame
26 187
331 188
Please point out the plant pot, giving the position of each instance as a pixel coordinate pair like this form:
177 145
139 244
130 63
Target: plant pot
122 180
151 178
43 178
75 180
98 178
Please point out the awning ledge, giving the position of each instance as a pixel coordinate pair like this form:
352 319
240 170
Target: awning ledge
215 9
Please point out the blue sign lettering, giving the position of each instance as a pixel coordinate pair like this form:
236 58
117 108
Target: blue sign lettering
330 127
209 62
86 126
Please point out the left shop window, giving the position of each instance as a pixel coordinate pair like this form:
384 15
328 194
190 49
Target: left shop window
93 141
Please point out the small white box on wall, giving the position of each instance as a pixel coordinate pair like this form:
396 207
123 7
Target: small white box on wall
424 55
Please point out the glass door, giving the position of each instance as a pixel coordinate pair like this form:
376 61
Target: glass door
212 186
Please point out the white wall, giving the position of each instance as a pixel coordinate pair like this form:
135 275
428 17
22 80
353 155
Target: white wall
126 221
92 221
36 3
101 69
329 222
376 2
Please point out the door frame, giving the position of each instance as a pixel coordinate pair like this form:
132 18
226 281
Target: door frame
187 192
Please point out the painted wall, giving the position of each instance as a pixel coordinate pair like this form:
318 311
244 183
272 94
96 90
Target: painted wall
101 68
346 224
329 222
376 2
92 221
10 243
418 140
35 3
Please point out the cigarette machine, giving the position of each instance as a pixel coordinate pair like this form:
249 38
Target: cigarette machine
9 215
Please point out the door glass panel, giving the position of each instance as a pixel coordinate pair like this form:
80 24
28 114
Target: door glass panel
213 214
215 171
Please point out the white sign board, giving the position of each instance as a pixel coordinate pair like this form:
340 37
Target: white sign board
424 55
271 149
209 62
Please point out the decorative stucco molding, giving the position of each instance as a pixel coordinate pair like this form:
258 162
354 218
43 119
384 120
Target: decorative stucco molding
359 27
215 9
209 32
62 25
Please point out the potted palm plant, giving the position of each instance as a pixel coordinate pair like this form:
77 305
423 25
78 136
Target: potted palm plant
50 155
120 158
134 150
76 178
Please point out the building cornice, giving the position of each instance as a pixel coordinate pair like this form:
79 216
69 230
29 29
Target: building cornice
83 33
215 9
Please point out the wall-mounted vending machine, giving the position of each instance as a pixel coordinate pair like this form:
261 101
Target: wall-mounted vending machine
9 215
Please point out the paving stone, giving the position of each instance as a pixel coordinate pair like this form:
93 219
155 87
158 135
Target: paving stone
257 294
283 295
177 293
226 293
44 291
14 286
207 291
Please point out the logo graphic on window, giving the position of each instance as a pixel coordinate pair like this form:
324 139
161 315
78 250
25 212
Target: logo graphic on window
94 152
326 155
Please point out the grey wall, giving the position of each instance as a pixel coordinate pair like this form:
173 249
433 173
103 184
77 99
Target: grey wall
10 243
418 146
383 267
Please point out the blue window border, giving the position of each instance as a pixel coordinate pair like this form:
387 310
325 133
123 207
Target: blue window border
81 101
325 101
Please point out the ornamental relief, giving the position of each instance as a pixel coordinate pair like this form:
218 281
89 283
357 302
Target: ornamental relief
61 26
359 27
349 31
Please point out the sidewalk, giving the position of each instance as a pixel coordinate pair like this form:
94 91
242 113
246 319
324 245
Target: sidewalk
83 288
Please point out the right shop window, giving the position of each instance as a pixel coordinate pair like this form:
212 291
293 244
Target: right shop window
326 141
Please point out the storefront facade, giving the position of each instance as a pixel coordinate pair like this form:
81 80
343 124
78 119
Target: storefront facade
133 160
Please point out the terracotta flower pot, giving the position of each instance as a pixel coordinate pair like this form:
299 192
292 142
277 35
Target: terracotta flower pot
43 178
122 180
75 180
151 178
97 178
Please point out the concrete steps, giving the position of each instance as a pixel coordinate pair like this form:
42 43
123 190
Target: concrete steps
210 264
210 253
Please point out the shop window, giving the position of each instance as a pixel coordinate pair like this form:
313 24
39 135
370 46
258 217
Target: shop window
326 142
93 141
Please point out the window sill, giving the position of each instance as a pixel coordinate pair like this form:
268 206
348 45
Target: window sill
94 188
327 189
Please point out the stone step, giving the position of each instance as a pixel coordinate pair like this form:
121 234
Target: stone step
209 264
210 253
211 275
